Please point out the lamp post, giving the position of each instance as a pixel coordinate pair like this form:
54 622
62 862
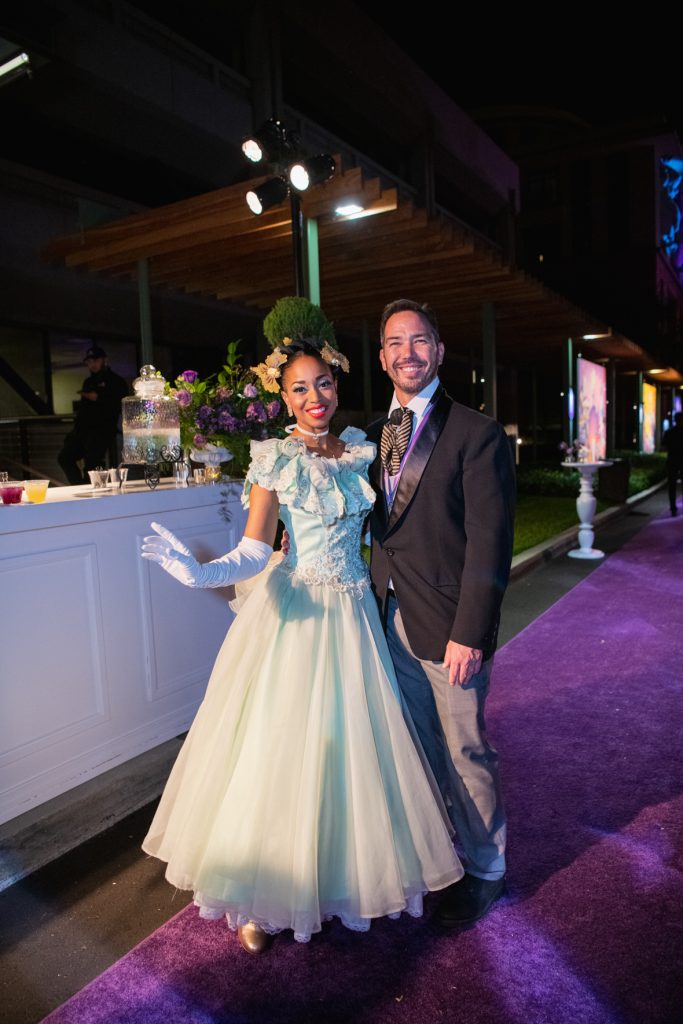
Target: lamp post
293 173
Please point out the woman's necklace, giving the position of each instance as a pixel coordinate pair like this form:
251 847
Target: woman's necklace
308 433
317 438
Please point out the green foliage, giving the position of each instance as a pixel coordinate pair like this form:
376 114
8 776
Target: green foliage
541 517
547 480
646 470
295 318
552 480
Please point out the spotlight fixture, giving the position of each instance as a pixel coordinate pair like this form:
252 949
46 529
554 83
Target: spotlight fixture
314 170
13 68
270 193
269 143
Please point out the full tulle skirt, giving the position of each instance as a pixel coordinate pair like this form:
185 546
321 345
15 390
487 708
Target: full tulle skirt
299 793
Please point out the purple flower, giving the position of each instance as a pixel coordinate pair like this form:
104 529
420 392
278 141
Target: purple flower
255 411
189 376
199 440
204 412
250 391
273 409
183 397
222 392
228 422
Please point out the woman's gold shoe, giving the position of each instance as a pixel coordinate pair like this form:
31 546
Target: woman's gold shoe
253 939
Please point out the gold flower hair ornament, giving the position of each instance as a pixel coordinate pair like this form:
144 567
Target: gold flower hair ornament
334 357
269 372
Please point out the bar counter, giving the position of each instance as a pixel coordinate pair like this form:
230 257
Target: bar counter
102 654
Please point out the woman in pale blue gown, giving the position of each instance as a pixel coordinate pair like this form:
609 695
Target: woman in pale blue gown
299 793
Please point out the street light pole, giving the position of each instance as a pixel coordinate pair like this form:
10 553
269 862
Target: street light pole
297 243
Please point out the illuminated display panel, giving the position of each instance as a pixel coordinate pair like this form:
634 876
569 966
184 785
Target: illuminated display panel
592 408
649 417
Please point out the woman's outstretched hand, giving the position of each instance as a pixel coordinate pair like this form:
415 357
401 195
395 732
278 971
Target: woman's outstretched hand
172 555
246 560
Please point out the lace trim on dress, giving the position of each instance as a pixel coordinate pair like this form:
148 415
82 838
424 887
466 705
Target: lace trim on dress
327 487
325 576
413 907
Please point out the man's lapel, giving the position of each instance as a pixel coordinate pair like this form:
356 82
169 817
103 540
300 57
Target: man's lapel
418 458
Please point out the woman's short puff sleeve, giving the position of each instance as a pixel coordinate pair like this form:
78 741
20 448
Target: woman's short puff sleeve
267 462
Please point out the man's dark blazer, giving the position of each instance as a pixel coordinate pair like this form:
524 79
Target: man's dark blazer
447 544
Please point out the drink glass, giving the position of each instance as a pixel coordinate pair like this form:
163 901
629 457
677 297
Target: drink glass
118 476
11 492
98 477
199 476
36 490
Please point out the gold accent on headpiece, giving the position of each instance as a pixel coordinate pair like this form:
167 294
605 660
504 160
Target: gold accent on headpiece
269 371
334 357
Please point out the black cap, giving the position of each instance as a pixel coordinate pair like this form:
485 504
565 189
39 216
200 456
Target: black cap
94 352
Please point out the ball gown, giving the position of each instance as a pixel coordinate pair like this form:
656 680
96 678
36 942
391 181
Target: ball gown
300 793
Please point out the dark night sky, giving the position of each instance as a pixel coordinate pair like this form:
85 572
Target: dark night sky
604 71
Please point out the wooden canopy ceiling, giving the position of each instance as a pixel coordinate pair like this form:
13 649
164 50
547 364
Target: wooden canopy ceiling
214 246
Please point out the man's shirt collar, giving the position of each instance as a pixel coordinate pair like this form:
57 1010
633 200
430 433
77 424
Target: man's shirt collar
420 402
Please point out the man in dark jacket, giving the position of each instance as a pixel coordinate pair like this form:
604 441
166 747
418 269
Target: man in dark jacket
442 529
673 442
97 417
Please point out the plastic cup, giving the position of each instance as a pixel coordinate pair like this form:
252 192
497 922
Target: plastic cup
36 490
118 476
11 493
99 478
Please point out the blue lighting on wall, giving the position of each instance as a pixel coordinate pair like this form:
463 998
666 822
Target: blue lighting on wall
671 173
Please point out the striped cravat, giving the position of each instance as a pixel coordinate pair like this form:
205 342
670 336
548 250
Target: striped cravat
395 438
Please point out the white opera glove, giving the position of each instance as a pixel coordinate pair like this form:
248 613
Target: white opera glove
246 560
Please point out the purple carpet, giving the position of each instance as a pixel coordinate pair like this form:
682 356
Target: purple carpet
587 711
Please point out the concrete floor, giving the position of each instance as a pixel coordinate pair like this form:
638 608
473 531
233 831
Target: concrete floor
66 922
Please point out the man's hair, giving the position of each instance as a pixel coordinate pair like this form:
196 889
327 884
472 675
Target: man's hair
408 306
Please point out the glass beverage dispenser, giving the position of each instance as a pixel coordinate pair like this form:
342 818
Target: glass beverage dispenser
151 425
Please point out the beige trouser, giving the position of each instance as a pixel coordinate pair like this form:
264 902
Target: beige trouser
450 723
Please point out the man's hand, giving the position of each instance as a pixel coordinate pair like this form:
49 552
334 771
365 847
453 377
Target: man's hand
92 396
462 663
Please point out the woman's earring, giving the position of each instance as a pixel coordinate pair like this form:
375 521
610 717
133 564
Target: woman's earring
289 409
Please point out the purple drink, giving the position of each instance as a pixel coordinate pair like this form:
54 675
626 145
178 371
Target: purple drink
11 494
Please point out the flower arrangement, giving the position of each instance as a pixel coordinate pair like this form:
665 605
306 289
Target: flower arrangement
227 410
574 452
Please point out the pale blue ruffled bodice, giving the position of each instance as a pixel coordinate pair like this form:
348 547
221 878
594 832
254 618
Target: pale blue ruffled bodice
323 504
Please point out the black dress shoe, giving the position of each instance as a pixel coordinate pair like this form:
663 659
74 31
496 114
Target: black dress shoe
468 900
